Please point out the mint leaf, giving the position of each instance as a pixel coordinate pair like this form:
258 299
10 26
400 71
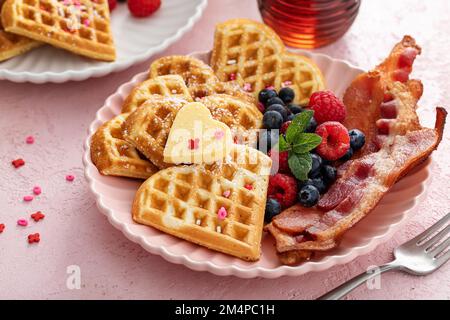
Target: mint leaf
292 132
300 164
283 145
306 142
301 121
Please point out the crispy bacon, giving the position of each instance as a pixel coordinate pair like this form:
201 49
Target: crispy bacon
300 232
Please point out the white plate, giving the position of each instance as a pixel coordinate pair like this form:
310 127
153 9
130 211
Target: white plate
114 197
136 40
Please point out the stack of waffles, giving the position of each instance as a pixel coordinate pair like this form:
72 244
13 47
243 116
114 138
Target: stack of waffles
79 26
184 199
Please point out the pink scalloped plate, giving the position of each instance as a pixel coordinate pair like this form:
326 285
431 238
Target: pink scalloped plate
114 197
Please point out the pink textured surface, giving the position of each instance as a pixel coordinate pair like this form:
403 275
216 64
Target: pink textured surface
75 233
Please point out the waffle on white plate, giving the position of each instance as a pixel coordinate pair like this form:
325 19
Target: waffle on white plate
82 27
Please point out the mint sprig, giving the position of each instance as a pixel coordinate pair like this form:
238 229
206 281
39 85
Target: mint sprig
298 144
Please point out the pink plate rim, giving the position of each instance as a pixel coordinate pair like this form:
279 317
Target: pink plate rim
324 263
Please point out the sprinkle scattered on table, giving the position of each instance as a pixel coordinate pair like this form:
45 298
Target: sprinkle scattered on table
34 238
37 190
28 198
29 140
22 222
37 216
70 177
18 163
2 227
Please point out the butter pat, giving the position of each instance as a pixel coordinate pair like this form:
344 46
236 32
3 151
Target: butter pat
195 137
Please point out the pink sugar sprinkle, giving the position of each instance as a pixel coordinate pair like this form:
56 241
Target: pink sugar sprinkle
222 213
286 83
28 198
270 87
70 177
22 222
247 87
226 193
29 140
37 190
219 134
67 2
86 22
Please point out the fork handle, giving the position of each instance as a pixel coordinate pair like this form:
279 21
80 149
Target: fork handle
351 284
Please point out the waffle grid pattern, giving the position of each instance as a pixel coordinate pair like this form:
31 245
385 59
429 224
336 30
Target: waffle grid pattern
114 156
166 86
257 58
190 196
81 26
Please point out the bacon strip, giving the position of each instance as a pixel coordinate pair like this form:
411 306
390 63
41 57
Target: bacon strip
390 154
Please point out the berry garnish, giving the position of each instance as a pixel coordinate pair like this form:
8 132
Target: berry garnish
112 4
267 139
285 126
319 183
287 95
280 109
281 158
272 120
274 100
266 94
348 155
294 108
316 164
311 126
299 144
143 8
357 139
308 196
273 208
335 140
327 107
283 188
329 174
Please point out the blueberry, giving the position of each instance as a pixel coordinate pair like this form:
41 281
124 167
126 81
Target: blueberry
348 155
272 120
308 196
329 174
287 95
280 109
267 139
266 94
316 164
319 183
274 100
273 208
295 108
290 117
357 139
311 128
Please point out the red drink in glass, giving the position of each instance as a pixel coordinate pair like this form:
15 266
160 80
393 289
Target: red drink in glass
309 23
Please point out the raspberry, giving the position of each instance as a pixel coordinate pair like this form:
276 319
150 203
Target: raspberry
284 189
112 4
284 126
281 158
335 140
327 107
143 8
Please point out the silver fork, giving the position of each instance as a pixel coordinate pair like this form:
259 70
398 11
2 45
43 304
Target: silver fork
419 256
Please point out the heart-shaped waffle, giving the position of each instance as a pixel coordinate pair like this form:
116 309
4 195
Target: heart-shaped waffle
195 137
198 76
220 206
252 53
112 155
